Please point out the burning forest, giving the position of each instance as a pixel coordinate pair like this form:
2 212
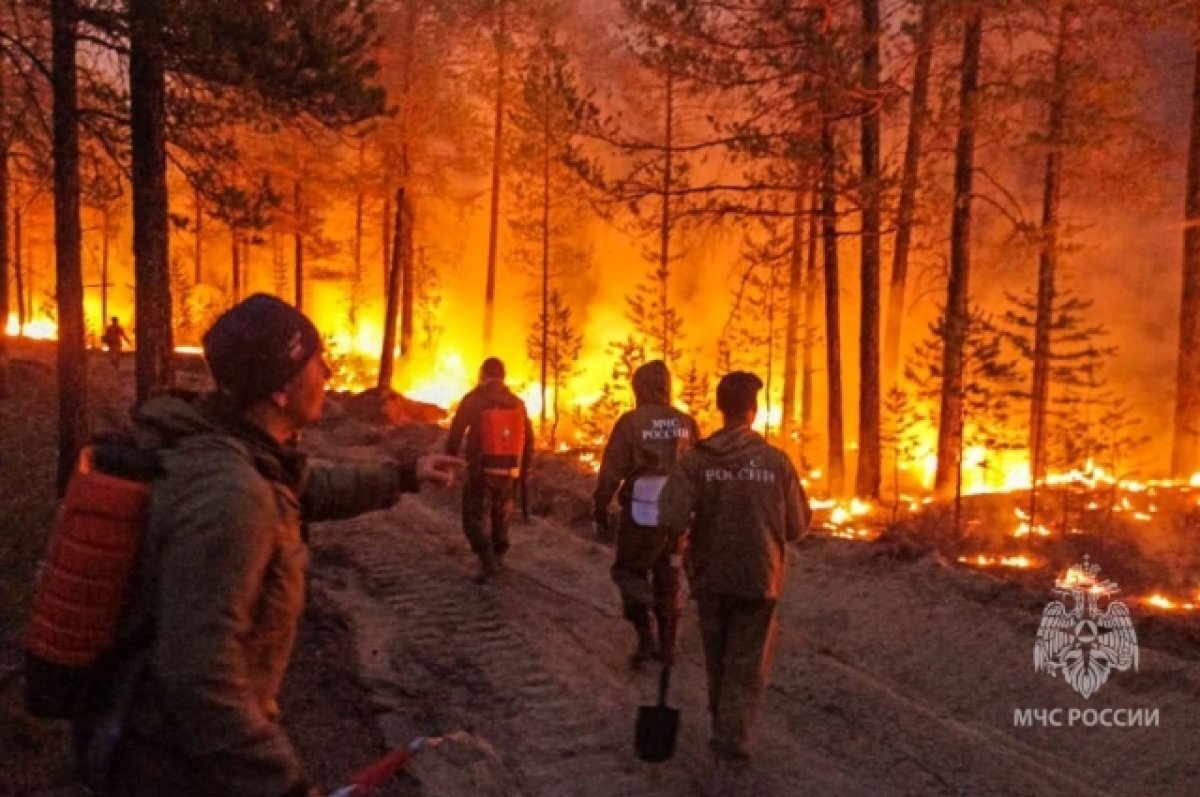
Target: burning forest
956 239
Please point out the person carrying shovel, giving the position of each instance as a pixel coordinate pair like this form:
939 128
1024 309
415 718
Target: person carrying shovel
644 445
744 503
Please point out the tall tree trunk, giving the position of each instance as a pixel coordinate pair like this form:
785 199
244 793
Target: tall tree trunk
833 334
387 239
235 261
198 251
1185 454
869 474
489 297
387 357
356 292
68 239
19 270
811 297
104 267
791 345
4 379
950 417
298 247
1048 263
664 233
147 105
545 263
918 114
408 284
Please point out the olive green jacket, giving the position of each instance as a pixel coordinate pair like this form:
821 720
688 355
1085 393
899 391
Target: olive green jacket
743 502
220 584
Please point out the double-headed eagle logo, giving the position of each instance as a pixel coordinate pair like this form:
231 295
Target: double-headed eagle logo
1084 643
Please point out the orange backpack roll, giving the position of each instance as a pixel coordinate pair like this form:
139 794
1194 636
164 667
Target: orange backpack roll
502 439
86 576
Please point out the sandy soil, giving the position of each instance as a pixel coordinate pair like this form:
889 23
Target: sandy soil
895 675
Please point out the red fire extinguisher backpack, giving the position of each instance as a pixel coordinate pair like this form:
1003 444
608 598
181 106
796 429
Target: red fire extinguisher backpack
86 576
502 439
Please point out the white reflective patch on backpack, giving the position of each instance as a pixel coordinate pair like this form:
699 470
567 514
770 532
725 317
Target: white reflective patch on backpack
644 508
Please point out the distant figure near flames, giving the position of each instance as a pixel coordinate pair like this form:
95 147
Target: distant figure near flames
493 429
220 581
114 339
644 445
744 503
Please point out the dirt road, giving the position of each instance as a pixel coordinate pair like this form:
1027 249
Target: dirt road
891 678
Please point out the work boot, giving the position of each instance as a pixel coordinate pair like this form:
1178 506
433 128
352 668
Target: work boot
647 649
487 568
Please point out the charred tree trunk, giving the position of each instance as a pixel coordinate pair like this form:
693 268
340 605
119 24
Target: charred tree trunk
4 379
664 233
68 239
198 251
298 247
811 298
833 335
489 297
546 267
105 221
1185 454
235 260
950 417
869 474
387 357
1047 265
918 114
356 292
19 270
408 285
147 104
387 239
791 345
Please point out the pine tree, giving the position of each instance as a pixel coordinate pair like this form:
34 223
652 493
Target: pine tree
557 349
901 436
989 386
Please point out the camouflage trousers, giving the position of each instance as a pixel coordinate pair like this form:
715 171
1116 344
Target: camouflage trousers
643 572
490 494
739 643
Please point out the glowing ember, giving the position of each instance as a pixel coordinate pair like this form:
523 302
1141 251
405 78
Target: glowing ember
1020 561
1161 601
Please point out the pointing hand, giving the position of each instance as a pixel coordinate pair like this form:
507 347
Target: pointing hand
439 469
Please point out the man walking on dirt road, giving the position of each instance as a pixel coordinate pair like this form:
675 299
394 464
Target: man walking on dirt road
493 429
644 445
744 504
220 579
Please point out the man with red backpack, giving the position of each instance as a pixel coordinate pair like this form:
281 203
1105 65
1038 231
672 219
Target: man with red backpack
493 429
219 582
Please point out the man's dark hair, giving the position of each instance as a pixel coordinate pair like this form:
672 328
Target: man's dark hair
493 368
737 393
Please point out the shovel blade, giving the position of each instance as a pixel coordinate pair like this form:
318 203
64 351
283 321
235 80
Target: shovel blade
657 727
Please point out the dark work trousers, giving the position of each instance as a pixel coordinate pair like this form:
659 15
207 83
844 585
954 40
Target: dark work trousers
493 493
643 572
739 643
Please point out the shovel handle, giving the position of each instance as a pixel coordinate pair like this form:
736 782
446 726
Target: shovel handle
664 683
